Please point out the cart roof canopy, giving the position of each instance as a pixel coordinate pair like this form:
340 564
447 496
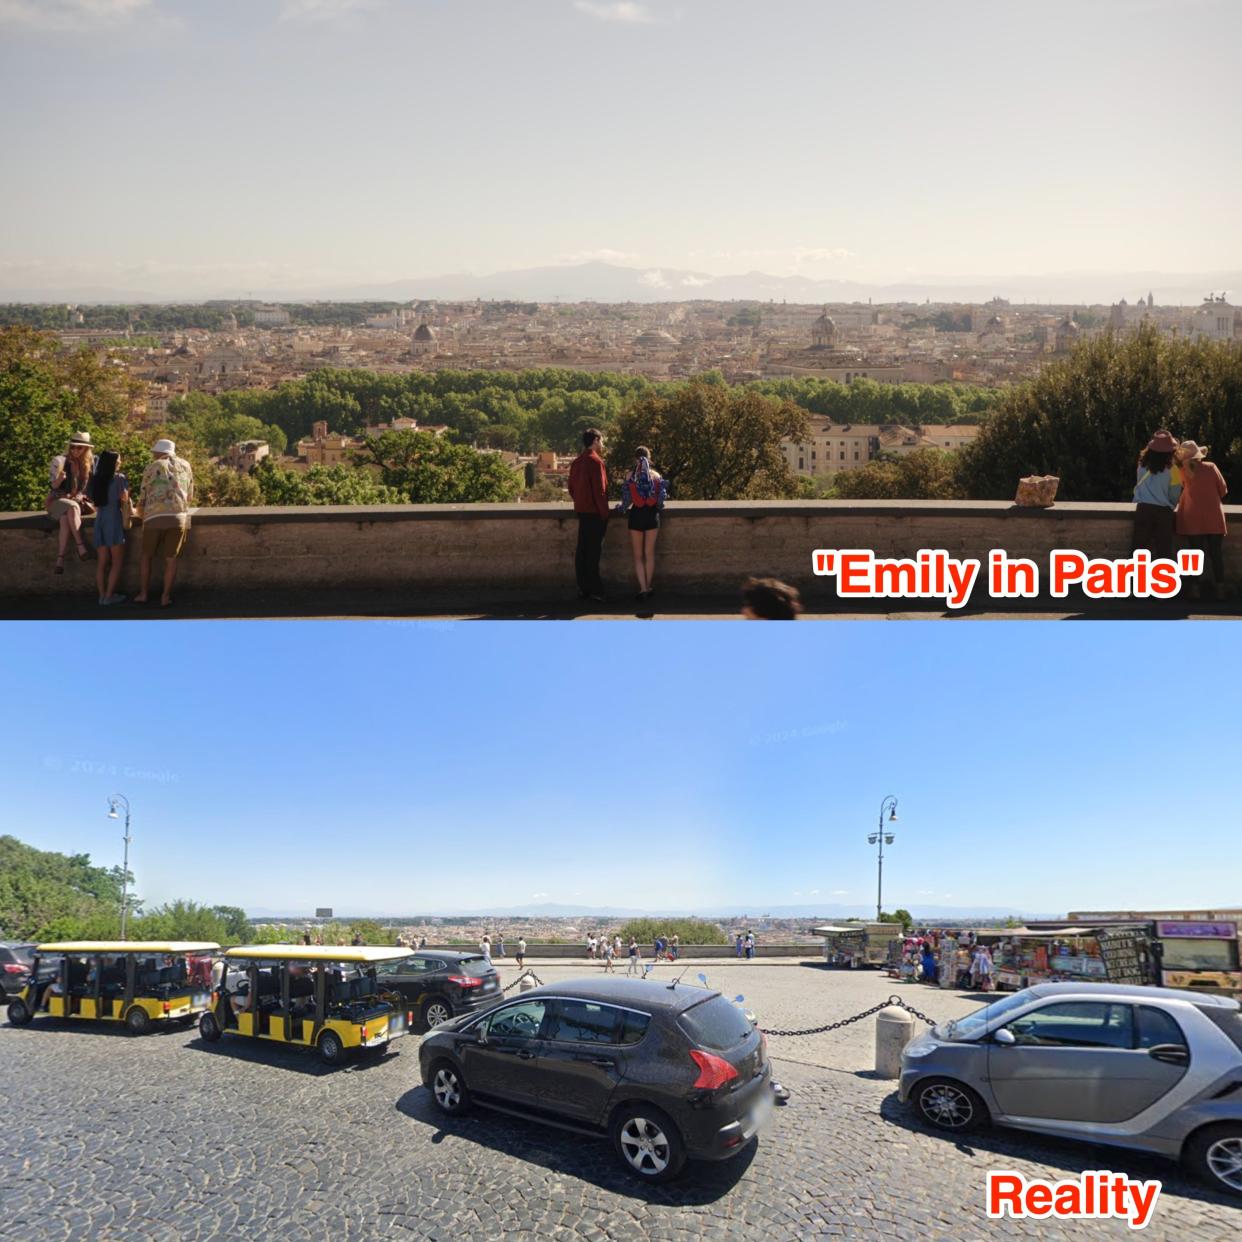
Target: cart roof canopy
129 946
318 952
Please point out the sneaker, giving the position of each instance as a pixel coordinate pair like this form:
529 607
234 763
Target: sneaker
114 599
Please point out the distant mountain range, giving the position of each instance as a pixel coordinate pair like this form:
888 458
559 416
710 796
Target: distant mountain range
554 910
609 282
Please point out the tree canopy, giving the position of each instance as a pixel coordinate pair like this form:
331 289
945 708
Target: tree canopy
710 441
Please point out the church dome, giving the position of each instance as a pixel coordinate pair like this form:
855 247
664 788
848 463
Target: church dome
424 333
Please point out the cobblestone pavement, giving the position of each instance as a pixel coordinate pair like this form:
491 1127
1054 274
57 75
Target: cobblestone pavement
116 1138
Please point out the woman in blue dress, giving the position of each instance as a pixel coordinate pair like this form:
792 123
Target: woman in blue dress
109 489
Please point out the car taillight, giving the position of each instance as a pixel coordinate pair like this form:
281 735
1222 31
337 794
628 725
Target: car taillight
713 1071
13 968
165 1006
409 1017
465 981
364 1034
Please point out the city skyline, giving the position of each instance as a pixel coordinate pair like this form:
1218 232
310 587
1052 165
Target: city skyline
875 144
412 766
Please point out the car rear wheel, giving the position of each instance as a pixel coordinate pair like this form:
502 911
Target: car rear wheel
435 1011
949 1105
19 1013
448 1088
138 1021
331 1048
1215 1155
648 1143
209 1027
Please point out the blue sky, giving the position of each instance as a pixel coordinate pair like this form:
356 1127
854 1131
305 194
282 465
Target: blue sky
408 767
200 146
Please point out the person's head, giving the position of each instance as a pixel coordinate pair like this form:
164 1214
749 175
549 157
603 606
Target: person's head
769 599
592 438
79 459
1189 455
101 480
164 449
1158 455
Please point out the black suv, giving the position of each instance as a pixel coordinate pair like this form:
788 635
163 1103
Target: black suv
667 1072
438 986
15 960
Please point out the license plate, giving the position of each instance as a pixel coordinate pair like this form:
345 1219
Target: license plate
376 1040
201 999
490 985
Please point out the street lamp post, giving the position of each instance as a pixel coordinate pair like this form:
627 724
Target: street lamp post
112 814
880 839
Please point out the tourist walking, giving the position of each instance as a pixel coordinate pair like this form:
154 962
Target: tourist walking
608 953
164 506
673 947
521 951
485 947
929 965
750 945
633 969
588 487
109 493
642 497
500 945
68 477
591 948
1156 492
1200 514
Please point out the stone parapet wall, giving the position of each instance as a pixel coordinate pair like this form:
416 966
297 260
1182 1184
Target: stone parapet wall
467 555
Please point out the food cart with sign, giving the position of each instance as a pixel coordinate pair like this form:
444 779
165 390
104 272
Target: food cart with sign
857 944
1199 954
1120 954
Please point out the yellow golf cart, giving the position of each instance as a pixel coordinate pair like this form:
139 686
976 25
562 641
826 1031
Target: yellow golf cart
138 982
313 996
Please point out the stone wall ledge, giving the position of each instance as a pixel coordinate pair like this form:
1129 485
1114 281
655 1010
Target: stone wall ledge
963 509
462 558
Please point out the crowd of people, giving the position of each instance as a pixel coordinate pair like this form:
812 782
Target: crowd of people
81 484
1179 495
972 966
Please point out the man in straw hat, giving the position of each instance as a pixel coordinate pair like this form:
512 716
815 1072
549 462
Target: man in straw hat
164 506
1201 512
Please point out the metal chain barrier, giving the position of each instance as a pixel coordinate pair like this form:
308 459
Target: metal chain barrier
525 974
895 1001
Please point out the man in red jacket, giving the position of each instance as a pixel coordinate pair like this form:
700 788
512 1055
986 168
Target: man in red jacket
588 485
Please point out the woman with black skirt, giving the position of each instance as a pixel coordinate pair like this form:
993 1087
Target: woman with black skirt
642 496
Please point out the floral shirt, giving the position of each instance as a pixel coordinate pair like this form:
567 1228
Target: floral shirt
167 490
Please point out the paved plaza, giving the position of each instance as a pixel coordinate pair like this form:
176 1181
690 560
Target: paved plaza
114 1137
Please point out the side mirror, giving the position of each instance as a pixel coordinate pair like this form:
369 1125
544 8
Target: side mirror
737 1000
702 978
1004 1036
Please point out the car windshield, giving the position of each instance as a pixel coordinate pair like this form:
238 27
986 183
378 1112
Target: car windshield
715 1024
974 1024
474 966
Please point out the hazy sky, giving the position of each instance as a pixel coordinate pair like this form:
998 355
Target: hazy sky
402 768
206 146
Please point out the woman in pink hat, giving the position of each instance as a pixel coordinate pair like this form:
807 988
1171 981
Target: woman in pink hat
1155 496
1201 513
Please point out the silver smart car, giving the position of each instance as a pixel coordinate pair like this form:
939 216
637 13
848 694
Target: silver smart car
1155 1069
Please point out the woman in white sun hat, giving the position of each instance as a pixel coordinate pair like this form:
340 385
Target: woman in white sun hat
68 476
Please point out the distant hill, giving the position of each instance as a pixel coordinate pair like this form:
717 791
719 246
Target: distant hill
555 910
610 282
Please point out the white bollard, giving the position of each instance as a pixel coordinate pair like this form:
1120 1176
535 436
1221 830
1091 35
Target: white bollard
526 984
894 1029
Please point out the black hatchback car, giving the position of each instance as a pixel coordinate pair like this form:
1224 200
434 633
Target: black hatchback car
15 960
438 986
667 1072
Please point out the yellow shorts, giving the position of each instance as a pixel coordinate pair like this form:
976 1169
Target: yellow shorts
165 541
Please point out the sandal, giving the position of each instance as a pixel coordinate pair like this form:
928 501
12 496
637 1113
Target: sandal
82 552
60 565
